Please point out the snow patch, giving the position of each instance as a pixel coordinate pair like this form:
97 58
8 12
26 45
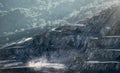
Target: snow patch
44 63
24 40
98 62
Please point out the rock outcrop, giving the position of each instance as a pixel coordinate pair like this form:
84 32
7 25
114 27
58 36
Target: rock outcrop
93 47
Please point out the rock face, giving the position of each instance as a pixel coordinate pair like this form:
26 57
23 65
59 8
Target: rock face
87 49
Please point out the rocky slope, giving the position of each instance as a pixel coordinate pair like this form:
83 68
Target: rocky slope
91 45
